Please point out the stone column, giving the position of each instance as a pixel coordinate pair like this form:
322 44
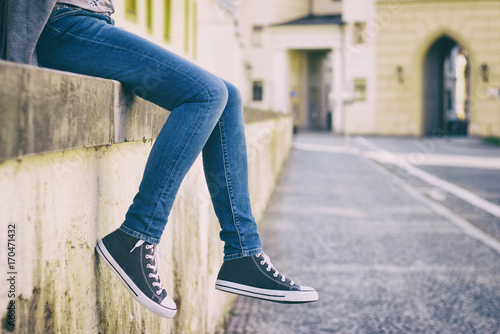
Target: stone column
337 89
280 89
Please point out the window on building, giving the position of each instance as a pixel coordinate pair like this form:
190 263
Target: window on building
149 15
257 90
257 31
359 32
187 22
360 89
131 10
167 12
195 28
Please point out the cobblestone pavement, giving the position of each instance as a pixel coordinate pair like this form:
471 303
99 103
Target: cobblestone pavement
382 259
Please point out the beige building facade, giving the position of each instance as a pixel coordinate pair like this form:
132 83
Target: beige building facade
419 46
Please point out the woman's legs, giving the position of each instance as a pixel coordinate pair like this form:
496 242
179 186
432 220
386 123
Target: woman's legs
203 107
206 114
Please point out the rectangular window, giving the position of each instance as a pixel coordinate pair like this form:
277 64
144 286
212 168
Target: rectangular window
359 33
257 31
131 10
149 15
360 89
257 90
186 25
195 28
167 12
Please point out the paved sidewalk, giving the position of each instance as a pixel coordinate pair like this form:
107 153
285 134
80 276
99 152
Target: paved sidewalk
382 260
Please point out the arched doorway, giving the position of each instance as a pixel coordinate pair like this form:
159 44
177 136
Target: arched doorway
446 89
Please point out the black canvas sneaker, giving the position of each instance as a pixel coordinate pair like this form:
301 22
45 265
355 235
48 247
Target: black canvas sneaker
134 262
255 276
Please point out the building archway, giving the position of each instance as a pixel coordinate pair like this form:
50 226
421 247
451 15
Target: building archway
446 89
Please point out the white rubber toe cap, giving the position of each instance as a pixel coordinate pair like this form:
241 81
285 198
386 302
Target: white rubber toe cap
169 308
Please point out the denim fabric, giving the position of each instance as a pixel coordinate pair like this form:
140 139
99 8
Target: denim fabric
206 115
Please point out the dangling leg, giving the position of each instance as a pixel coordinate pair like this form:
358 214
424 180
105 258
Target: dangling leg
246 269
226 172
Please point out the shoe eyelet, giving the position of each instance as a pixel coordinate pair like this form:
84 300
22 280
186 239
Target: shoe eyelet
158 292
275 275
268 269
262 262
148 266
150 275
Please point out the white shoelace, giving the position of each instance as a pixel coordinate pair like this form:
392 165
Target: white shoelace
267 260
154 268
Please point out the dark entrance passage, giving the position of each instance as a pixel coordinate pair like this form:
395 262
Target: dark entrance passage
319 83
446 89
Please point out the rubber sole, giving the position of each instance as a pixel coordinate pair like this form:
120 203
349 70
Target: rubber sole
161 310
304 295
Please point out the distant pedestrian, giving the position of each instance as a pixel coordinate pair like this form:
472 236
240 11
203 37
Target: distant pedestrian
206 116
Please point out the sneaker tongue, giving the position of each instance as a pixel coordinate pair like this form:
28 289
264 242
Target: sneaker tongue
159 258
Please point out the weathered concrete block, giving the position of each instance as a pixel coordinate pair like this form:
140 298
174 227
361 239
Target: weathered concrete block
47 111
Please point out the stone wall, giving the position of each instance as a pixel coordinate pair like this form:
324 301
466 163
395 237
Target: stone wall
72 154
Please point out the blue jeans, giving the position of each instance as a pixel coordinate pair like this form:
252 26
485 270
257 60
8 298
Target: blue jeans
206 116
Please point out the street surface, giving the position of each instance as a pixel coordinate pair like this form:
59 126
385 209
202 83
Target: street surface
397 235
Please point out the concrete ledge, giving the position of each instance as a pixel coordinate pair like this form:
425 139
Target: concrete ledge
48 111
43 111
61 202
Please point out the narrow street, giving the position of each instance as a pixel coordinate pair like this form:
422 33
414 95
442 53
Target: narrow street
397 235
